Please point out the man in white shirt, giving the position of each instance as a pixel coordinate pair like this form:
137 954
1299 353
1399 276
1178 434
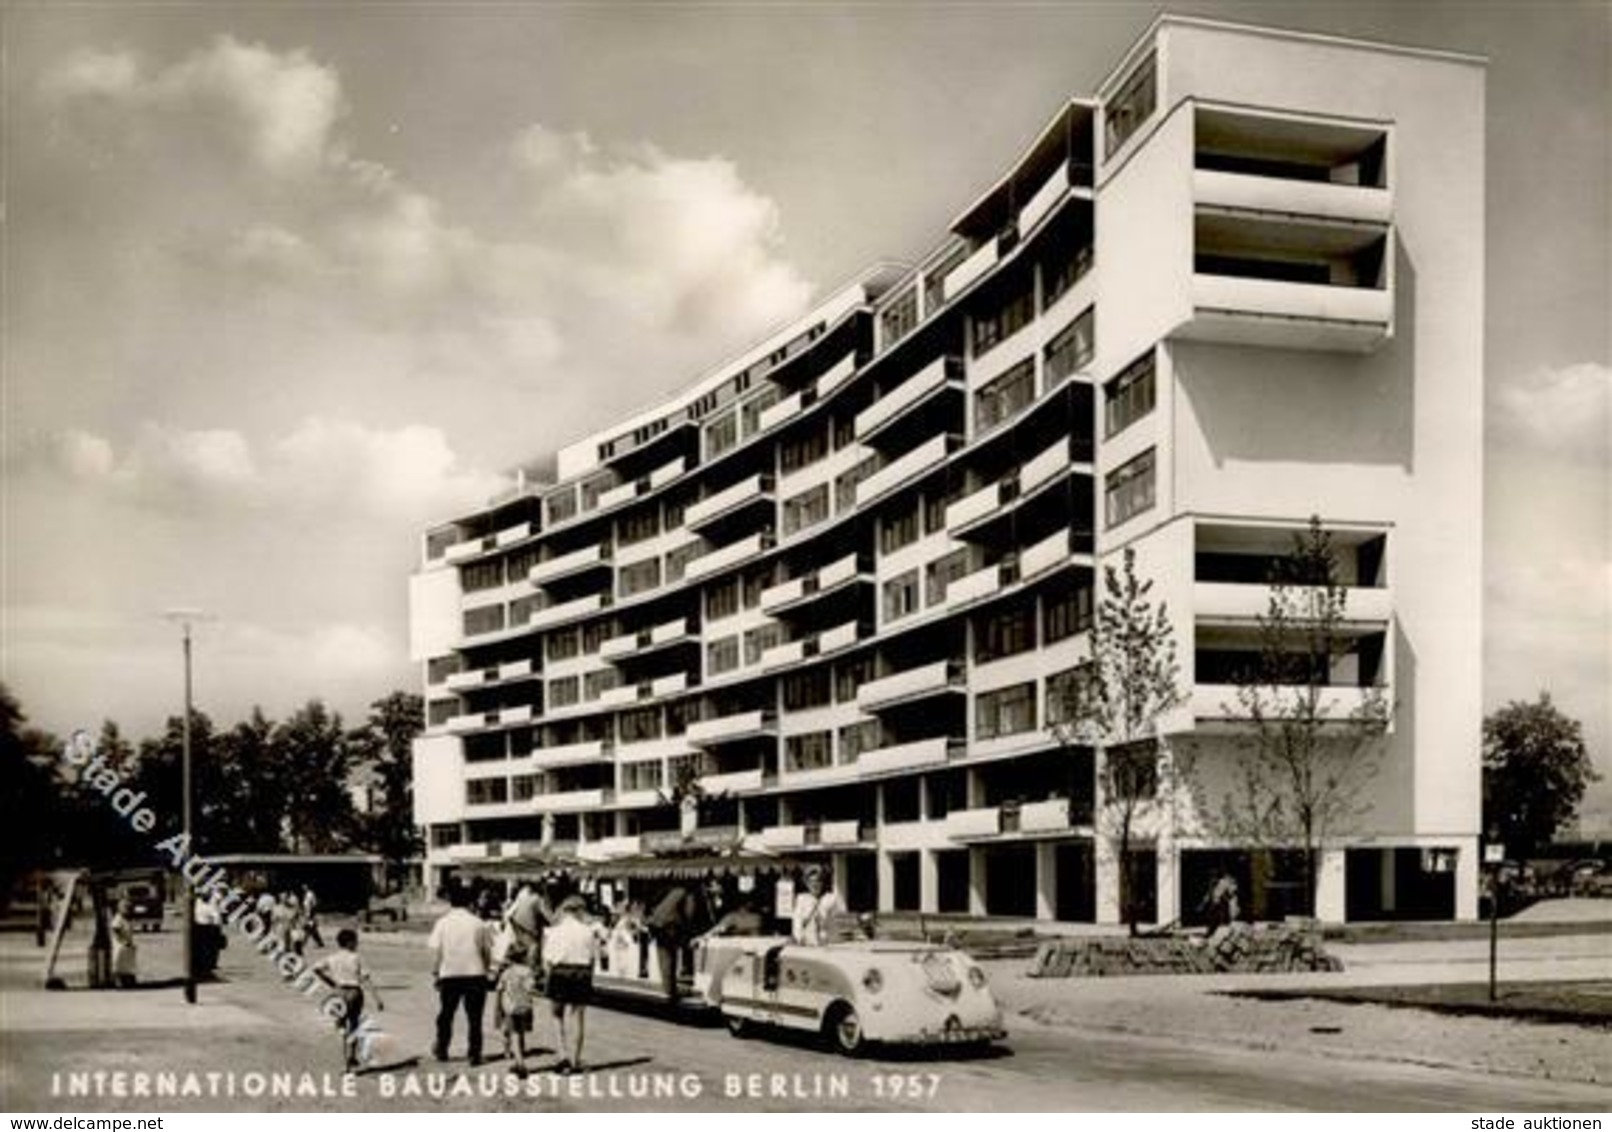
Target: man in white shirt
570 947
812 916
461 946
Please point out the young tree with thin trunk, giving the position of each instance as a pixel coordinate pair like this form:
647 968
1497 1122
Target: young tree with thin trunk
1131 682
1306 756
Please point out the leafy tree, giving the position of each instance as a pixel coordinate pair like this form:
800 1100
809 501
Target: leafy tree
32 811
313 757
1133 680
258 789
1302 765
383 748
1535 770
159 772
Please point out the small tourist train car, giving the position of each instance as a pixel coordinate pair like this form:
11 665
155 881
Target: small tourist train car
855 993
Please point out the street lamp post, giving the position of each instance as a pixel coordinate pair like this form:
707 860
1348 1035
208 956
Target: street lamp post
185 617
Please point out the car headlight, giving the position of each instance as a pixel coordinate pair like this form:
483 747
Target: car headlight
976 978
873 981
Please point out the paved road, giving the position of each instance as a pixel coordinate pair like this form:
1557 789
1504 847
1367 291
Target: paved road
635 1054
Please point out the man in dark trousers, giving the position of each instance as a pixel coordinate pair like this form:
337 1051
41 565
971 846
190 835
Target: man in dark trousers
678 917
461 946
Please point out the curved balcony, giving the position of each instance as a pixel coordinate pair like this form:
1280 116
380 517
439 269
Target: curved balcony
757 724
938 377
574 564
942 678
754 491
908 756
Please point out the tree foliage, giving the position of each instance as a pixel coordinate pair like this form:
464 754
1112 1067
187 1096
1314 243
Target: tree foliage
1132 681
1535 771
1303 761
382 751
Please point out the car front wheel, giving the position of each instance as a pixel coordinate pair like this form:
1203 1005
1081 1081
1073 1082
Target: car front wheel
844 1027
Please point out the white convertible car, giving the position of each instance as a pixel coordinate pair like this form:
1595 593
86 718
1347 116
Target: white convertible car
855 993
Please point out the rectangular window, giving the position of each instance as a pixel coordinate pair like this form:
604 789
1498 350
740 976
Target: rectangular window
520 563
441 711
439 668
898 319
1008 711
1128 489
1133 770
845 485
940 574
721 434
803 451
758 641
522 609
1004 397
1130 396
562 505
677 560
1065 265
805 690
722 600
722 656
1071 349
844 429
1066 692
858 738
641 525
806 509
1004 633
486 619
481 576
1132 104
1009 312
850 675
640 726
596 634
525 787
901 596
641 776
565 692
596 684
592 489
1065 611
640 576
674 514
486 791
750 411
562 645
809 752
898 530
754 584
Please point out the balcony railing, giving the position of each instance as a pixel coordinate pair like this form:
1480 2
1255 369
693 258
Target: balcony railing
1369 607
939 375
567 610
922 458
903 756
732 782
567 565
1249 193
977 264
730 555
940 678
755 489
571 800
730 728
965 824
571 754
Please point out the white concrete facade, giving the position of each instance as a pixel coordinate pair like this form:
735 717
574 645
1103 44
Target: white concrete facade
1272 244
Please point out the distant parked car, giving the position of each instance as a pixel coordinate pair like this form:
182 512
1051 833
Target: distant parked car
145 906
1590 878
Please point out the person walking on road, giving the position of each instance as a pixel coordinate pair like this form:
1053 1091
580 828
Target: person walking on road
570 948
461 948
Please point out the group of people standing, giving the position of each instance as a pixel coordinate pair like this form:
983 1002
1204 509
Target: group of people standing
526 952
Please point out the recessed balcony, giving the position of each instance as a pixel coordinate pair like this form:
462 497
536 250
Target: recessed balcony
577 562
1218 704
755 491
938 377
799 592
981 584
942 678
724 557
966 825
757 724
1367 609
567 611
1252 193
732 782
783 836
571 754
976 265
571 801
903 470
646 641
906 756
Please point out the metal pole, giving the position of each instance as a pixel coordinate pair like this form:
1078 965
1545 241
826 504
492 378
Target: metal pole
1494 925
185 817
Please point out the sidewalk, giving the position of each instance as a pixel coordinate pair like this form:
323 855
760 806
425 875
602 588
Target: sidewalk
1193 1009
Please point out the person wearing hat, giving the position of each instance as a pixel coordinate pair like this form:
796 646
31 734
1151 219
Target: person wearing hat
814 909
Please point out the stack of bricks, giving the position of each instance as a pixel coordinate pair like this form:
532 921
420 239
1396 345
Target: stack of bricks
1261 949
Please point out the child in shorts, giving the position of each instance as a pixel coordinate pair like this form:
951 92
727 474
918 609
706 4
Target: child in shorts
346 972
517 987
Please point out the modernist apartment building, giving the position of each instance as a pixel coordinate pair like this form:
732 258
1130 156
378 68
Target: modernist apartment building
843 582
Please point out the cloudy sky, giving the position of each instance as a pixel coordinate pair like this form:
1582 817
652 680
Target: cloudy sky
282 283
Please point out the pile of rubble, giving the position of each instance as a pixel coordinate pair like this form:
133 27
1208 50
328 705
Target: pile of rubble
1242 948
